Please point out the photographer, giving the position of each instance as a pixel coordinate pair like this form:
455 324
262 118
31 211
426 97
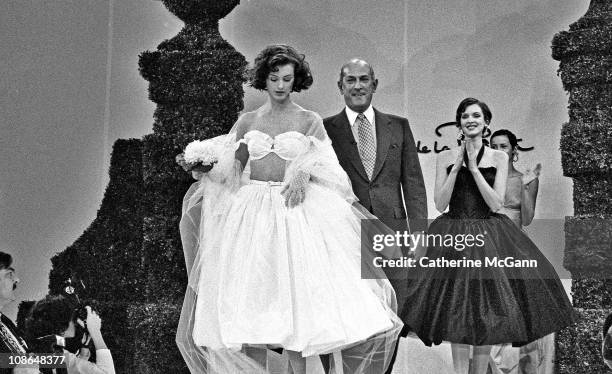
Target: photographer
53 322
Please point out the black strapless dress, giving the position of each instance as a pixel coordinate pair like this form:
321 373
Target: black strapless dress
488 304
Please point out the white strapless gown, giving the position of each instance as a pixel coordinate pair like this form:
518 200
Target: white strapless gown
288 277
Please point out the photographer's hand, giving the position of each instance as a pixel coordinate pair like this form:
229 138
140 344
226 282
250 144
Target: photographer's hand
84 353
94 324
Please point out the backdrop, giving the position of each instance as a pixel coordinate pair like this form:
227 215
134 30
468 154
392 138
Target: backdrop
70 88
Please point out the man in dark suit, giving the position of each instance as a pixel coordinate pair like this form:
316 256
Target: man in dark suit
378 153
380 159
10 341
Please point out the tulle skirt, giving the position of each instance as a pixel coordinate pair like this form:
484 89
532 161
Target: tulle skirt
291 278
489 304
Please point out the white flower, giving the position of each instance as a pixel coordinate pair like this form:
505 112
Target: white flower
205 152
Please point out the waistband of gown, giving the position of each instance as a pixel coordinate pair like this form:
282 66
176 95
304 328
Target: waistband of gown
266 183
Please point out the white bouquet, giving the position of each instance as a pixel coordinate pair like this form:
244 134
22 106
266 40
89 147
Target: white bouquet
203 152
200 155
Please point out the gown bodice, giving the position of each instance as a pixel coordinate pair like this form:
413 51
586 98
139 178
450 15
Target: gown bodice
287 145
512 200
466 200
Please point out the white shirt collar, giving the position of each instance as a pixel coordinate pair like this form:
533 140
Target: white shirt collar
352 115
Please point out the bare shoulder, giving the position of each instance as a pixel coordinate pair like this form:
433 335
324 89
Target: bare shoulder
309 115
245 123
493 158
308 118
498 156
248 117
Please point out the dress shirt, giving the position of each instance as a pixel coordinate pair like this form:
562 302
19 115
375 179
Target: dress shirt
352 118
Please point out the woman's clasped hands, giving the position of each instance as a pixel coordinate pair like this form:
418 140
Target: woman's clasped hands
472 154
459 160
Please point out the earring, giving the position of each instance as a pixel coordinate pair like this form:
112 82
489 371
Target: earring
485 131
460 137
515 156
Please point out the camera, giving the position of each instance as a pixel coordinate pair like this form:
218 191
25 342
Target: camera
51 343
81 337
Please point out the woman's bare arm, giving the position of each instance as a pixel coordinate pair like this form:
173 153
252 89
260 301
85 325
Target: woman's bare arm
445 183
494 197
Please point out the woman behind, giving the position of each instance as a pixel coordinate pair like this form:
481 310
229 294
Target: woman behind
56 316
274 261
521 189
471 305
519 205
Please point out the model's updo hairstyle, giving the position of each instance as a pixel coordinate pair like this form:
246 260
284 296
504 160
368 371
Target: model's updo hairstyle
511 138
486 112
507 133
274 56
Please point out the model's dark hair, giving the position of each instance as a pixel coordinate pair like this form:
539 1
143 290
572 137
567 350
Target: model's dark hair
507 133
486 112
49 316
274 56
6 260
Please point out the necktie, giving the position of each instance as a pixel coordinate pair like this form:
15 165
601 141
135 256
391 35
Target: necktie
367 145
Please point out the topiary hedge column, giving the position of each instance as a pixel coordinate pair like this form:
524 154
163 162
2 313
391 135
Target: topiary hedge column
107 257
585 55
196 81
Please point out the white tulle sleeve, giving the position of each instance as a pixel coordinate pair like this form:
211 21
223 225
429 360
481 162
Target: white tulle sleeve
204 209
321 163
206 202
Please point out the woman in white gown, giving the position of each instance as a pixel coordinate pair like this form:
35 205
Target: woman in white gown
274 257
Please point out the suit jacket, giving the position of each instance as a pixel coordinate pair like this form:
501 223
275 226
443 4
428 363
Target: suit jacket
10 341
397 171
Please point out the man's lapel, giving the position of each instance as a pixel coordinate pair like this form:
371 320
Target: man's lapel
383 140
9 337
347 142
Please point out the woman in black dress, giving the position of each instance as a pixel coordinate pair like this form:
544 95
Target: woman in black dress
482 280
